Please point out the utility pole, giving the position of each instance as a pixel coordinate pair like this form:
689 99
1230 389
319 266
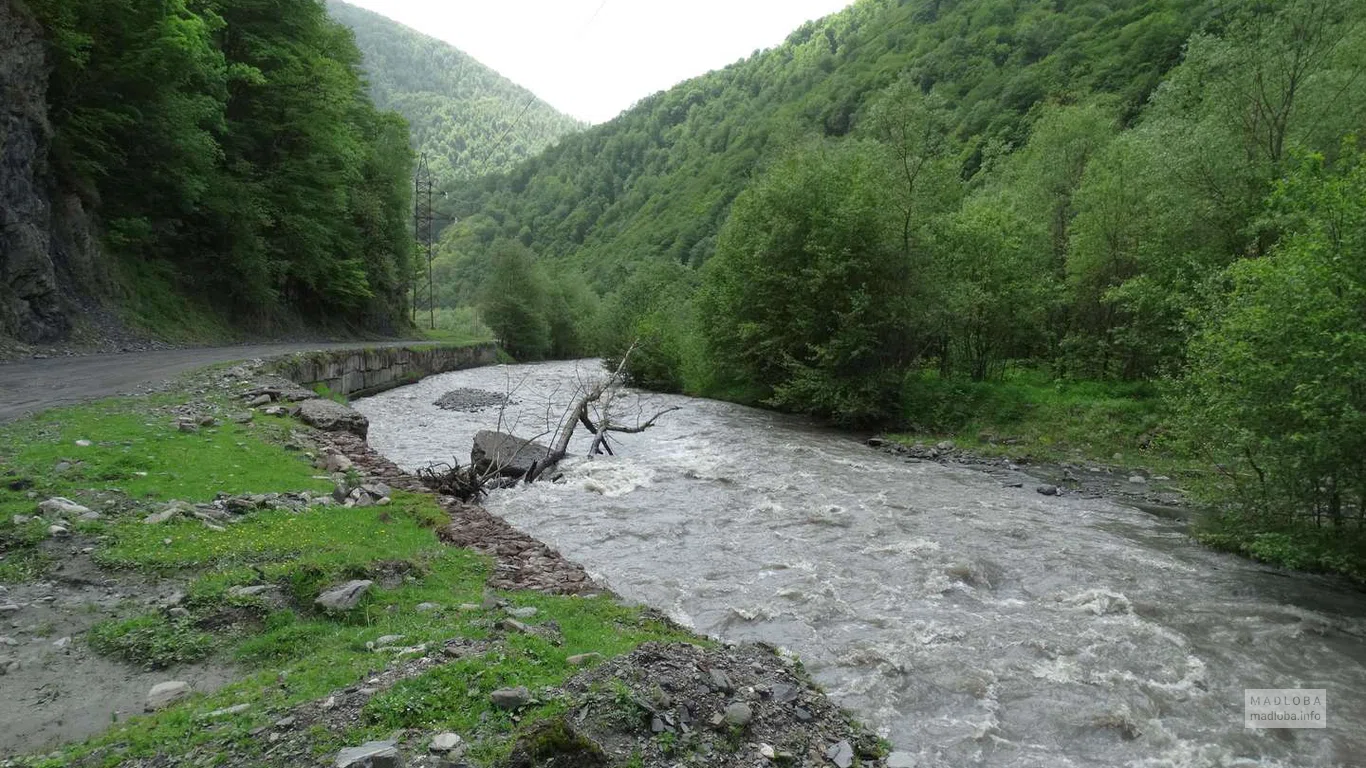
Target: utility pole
423 188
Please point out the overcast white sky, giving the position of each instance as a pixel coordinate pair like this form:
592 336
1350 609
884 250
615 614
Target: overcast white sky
631 49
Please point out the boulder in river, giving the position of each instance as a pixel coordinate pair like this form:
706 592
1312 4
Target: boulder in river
504 454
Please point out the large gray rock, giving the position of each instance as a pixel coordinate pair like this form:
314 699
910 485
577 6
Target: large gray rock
371 754
331 416
504 454
165 694
511 698
344 597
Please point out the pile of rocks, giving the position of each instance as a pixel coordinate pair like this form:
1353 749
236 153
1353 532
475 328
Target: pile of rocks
737 706
472 400
521 561
227 508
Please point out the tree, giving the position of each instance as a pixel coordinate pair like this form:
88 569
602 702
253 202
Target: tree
807 296
514 302
1276 388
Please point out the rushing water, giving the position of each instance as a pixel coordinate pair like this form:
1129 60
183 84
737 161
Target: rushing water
971 624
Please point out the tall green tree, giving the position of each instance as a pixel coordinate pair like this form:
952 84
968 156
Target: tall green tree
807 296
1276 391
515 301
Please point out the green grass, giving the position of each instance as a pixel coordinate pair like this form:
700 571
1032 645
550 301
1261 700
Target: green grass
460 325
1027 413
153 641
283 648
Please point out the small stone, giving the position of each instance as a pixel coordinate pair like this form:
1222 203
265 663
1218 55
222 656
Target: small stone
8 608
344 597
165 694
511 698
58 532
157 518
285 722
522 613
582 659
721 681
656 725
469 608
62 643
739 714
329 704
427 607
61 507
945 446
1048 490
84 443
784 693
367 692
187 427
389 640
8 666
901 760
208 421
371 754
259 400
513 625
236 709
251 591
445 743
841 754
1138 480
767 751
803 715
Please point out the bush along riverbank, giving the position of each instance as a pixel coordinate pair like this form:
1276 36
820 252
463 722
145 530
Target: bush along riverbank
1111 439
196 576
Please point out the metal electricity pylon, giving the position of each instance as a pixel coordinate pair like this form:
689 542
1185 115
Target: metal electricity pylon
424 187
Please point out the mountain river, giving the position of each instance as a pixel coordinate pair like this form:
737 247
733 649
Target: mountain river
969 623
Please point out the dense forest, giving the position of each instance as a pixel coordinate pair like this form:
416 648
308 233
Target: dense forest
469 119
911 198
234 159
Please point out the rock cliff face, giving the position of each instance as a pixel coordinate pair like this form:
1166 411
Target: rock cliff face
46 246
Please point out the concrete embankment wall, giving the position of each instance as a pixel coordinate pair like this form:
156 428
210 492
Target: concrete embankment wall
359 372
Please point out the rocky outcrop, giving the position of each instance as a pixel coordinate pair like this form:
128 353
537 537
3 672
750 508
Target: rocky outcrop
29 302
46 245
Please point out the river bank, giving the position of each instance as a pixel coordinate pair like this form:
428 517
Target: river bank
965 620
200 524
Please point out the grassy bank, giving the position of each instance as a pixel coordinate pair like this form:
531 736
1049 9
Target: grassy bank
125 458
1029 415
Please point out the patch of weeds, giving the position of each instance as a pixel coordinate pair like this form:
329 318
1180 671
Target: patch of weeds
152 641
325 392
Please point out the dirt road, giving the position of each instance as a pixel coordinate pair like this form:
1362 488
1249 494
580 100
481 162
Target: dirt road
34 385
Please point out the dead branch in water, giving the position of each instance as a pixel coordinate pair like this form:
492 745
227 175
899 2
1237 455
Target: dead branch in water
602 394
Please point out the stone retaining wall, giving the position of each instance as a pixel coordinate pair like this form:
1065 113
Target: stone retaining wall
359 372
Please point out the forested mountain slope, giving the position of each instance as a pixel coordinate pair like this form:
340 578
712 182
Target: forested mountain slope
659 180
457 108
205 166
912 205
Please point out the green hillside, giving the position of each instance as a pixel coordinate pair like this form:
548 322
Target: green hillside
457 108
913 211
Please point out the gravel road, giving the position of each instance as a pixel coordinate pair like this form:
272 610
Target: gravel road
27 386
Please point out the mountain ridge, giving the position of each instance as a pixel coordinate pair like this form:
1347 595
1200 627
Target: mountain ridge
470 119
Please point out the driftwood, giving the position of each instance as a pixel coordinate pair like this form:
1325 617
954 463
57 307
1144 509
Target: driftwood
603 394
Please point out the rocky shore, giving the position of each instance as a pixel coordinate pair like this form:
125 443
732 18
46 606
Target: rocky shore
688 701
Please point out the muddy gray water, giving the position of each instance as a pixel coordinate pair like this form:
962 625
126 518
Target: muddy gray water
969 623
